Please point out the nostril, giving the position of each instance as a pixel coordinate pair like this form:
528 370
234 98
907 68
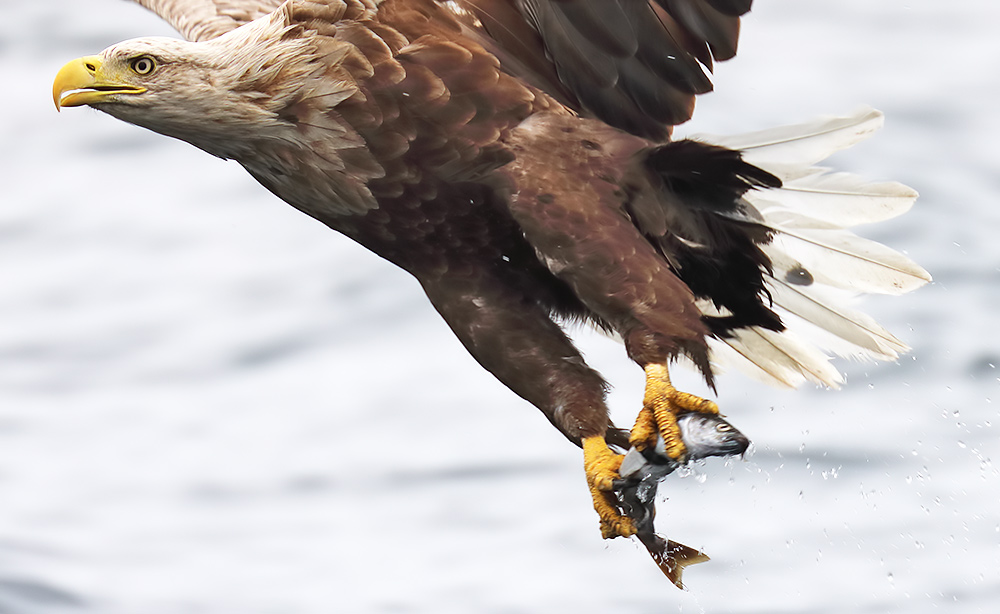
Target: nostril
91 66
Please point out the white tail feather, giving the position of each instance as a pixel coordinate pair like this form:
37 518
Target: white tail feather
778 358
841 198
801 145
858 329
841 259
817 263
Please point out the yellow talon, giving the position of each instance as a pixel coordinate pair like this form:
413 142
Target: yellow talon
601 466
658 416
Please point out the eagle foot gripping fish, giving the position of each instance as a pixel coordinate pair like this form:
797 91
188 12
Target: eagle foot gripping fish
641 472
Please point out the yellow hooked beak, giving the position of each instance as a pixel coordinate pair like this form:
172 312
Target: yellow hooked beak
82 82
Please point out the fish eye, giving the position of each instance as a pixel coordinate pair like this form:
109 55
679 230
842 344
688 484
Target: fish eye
142 65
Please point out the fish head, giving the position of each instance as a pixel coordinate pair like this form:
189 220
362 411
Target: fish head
710 435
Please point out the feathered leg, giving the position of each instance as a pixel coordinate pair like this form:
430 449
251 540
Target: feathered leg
618 274
515 339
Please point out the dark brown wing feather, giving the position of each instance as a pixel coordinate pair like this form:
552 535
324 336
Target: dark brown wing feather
714 27
731 7
635 64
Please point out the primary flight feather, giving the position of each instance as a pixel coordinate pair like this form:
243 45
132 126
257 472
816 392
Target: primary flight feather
515 157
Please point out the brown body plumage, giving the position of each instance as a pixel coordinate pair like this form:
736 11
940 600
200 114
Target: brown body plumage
513 156
392 123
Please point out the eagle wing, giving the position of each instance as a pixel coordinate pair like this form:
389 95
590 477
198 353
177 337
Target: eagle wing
635 64
199 20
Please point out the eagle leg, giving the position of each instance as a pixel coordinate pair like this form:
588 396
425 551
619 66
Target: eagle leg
660 406
514 338
601 466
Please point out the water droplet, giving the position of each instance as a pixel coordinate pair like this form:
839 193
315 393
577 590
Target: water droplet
961 444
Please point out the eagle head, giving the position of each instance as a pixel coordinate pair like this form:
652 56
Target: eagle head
266 94
222 95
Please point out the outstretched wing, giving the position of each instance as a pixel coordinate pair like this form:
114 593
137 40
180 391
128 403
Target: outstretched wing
199 20
634 64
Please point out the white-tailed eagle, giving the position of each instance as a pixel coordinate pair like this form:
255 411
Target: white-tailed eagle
515 157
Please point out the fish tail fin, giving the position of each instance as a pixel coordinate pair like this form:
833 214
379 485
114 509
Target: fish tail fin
671 557
675 558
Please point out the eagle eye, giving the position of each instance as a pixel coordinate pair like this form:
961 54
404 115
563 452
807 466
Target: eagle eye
142 65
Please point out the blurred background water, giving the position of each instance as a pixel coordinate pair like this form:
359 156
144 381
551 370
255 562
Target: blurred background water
211 404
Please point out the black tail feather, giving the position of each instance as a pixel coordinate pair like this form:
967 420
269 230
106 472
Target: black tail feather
702 225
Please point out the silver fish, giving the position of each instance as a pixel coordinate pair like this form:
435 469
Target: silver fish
704 435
